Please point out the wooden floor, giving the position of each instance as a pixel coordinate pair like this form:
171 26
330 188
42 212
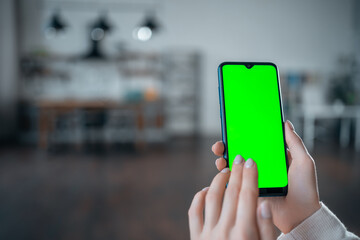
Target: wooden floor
121 193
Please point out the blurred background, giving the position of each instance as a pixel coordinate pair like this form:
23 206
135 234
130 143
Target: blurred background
108 109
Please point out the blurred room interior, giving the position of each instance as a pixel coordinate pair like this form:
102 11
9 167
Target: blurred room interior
109 108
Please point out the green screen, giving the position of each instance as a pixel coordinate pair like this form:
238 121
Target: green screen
254 122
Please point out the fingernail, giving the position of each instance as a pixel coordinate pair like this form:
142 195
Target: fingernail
265 210
216 161
291 125
225 170
249 163
205 189
238 159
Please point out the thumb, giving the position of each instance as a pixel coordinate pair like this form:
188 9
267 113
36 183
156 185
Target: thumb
265 223
294 142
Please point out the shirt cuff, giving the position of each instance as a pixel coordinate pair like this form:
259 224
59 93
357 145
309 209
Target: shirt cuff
323 224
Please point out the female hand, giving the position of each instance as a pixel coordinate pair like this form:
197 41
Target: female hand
302 199
232 212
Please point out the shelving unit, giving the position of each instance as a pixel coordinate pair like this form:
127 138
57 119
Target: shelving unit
162 88
181 90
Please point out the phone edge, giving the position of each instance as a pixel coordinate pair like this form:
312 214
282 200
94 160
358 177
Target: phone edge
263 192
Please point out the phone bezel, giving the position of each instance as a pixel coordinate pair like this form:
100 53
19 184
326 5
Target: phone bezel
263 192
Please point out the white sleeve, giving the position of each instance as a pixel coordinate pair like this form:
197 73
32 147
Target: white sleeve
322 225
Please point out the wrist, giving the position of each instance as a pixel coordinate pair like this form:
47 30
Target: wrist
305 212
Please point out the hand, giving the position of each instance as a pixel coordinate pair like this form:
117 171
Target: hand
302 199
231 213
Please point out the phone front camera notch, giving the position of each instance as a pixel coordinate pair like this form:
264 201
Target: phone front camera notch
249 66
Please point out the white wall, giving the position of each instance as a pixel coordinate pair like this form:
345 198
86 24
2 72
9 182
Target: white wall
297 35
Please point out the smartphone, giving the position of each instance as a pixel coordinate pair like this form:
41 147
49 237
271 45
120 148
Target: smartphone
252 121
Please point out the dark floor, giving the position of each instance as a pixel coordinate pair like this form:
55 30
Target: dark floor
126 194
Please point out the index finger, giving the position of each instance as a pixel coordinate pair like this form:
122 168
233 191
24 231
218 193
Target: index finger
246 212
218 148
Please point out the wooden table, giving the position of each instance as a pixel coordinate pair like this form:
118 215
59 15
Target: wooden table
50 110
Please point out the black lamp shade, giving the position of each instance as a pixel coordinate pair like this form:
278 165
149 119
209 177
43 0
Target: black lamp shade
56 22
151 23
103 24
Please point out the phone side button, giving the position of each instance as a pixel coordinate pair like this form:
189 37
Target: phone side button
219 95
